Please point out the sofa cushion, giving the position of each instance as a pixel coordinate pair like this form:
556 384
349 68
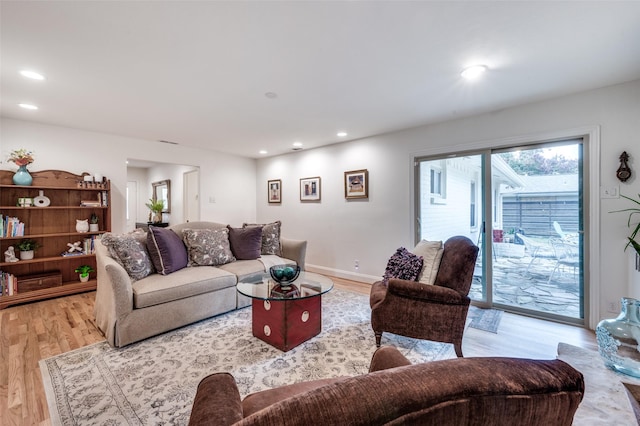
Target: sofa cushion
208 247
130 251
270 237
246 243
403 265
431 252
187 282
168 253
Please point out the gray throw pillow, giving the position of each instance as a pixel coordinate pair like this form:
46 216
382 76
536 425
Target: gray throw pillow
270 237
208 247
130 251
167 251
246 243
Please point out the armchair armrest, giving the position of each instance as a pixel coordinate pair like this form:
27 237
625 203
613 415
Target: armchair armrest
387 357
432 293
217 401
294 250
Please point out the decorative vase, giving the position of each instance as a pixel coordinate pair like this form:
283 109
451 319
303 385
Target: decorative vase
618 339
22 177
82 225
94 227
84 278
157 217
26 254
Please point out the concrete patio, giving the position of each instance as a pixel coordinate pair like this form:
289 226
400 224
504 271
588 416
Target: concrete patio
518 284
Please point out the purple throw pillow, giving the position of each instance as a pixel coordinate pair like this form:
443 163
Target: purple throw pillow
246 243
167 251
403 265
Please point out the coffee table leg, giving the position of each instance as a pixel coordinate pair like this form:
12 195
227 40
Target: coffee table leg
285 324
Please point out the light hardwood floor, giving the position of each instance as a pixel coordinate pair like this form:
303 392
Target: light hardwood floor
42 329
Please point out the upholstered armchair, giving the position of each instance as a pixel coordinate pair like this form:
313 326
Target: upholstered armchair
461 391
432 312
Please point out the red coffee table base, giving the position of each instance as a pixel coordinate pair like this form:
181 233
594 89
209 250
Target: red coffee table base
285 324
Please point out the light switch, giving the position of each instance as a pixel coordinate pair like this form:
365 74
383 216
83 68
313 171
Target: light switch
610 192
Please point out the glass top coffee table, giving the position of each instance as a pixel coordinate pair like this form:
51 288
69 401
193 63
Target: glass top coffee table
286 317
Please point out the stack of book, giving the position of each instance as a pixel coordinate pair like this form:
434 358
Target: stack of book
8 284
11 227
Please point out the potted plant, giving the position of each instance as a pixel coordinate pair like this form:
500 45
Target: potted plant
93 225
631 239
83 271
156 207
27 247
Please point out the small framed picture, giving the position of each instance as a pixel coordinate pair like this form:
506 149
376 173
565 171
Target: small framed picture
310 189
274 191
356 184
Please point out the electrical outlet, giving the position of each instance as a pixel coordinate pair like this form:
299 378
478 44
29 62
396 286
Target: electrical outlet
356 264
613 307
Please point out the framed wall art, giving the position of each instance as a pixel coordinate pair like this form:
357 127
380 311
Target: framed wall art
274 191
356 184
310 189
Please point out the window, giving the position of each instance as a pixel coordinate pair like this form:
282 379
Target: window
436 182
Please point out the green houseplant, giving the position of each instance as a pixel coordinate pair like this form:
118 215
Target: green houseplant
632 211
27 247
156 207
84 271
93 223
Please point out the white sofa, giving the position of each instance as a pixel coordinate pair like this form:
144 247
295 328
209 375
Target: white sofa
128 311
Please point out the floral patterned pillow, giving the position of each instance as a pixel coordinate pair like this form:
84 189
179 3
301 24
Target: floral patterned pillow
403 265
130 251
208 247
270 237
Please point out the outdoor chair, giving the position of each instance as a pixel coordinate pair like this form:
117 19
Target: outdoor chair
566 254
536 249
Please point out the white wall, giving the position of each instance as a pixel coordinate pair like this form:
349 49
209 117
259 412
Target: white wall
340 231
231 180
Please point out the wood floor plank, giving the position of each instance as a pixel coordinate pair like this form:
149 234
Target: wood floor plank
39 330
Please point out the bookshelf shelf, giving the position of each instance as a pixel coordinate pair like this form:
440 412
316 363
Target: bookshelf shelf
52 227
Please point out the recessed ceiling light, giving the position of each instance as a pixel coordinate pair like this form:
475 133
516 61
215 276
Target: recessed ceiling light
342 134
32 74
297 144
271 95
28 106
473 72
262 151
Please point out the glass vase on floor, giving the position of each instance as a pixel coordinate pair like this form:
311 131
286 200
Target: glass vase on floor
618 339
22 176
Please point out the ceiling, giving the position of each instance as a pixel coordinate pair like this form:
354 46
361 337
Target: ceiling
196 73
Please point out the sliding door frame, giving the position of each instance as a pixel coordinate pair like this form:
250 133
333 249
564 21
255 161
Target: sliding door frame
591 206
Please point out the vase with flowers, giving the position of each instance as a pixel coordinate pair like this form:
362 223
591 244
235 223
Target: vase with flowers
22 158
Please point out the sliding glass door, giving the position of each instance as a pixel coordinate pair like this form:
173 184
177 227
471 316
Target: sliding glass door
523 207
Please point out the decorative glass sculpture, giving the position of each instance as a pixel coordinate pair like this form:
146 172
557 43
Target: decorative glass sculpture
618 339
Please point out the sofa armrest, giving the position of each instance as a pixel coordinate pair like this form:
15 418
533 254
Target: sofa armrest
432 293
217 401
294 250
387 357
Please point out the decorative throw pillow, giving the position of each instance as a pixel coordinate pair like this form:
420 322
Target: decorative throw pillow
431 252
246 243
403 265
208 247
270 237
167 251
130 251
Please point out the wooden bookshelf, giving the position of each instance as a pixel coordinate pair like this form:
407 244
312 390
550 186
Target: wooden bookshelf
52 227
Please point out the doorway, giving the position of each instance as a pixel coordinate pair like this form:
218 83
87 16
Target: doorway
523 206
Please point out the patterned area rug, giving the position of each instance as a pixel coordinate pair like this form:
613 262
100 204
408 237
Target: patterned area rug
484 319
154 381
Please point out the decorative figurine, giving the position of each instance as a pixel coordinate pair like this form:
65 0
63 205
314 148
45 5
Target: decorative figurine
10 255
624 172
74 247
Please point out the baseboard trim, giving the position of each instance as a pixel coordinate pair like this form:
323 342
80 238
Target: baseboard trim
353 276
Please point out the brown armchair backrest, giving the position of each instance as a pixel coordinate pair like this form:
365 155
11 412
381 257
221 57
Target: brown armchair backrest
457 264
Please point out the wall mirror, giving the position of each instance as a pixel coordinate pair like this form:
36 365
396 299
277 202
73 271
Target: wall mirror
162 191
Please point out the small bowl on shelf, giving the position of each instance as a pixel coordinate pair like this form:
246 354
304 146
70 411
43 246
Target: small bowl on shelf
284 274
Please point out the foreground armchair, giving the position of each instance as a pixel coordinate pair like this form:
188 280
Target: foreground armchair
432 312
471 391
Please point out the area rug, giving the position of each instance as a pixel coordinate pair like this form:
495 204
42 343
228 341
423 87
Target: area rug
484 319
154 381
605 399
